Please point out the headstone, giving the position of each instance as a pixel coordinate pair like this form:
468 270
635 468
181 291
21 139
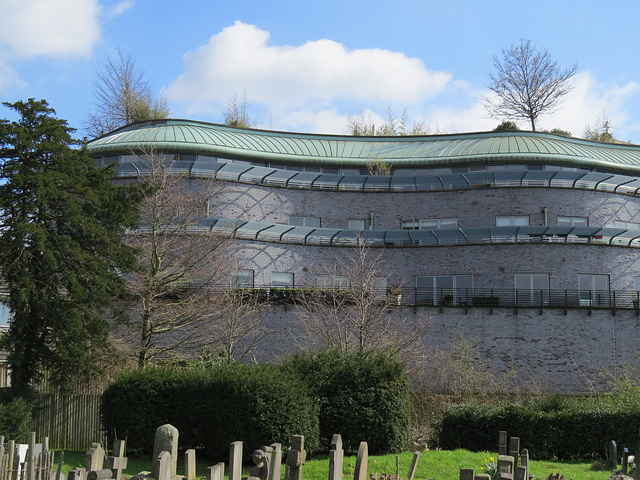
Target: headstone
612 455
190 464
520 473
524 462
414 465
502 443
216 472
514 448
275 469
466 474
362 459
505 467
235 461
296 456
336 458
162 466
482 476
117 462
625 461
166 441
262 461
94 458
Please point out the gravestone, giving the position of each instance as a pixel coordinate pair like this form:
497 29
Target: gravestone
190 464
216 472
166 441
414 465
482 476
505 467
503 448
235 461
94 458
612 455
362 459
275 468
162 466
520 473
336 458
514 448
466 474
261 462
117 461
296 456
625 460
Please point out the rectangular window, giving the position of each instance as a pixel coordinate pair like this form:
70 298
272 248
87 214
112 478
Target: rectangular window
594 289
429 223
444 289
332 281
243 279
626 225
281 279
305 222
532 289
573 221
512 220
356 224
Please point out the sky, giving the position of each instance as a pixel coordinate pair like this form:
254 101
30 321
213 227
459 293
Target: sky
306 66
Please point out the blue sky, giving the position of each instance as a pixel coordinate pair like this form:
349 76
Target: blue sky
305 65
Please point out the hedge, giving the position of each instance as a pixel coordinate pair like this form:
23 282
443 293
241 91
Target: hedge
362 396
257 404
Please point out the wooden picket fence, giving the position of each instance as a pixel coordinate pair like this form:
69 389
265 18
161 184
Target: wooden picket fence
71 421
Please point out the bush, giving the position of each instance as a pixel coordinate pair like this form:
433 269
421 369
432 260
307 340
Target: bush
362 396
14 419
257 404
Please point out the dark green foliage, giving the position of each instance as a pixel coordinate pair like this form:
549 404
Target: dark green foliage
559 131
14 419
258 404
553 427
60 248
507 126
362 396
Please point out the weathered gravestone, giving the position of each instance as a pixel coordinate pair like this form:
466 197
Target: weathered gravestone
162 466
117 461
190 464
216 472
503 448
261 462
235 461
166 441
296 456
336 458
466 474
514 448
362 459
413 466
612 455
625 460
275 467
505 467
94 458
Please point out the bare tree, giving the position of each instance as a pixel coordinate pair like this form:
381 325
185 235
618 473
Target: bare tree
601 131
176 289
237 112
526 82
352 309
122 96
393 126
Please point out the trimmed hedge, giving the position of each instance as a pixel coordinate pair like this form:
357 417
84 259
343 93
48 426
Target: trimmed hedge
561 427
258 404
15 416
362 396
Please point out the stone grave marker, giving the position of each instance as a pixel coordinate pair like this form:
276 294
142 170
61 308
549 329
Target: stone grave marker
275 467
102 474
336 458
413 466
362 460
503 448
162 465
612 455
166 441
262 461
216 472
296 456
190 464
505 467
466 474
520 473
625 460
235 461
483 476
514 448
94 458
117 461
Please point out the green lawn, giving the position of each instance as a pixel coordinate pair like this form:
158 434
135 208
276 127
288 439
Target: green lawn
436 464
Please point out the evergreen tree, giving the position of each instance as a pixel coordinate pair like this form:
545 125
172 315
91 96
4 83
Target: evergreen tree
60 247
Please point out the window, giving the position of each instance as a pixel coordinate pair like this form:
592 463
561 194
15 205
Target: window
626 225
573 221
532 289
281 279
512 220
332 281
305 222
443 289
356 224
593 289
243 279
429 223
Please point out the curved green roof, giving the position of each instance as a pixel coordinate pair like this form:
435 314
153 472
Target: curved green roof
229 142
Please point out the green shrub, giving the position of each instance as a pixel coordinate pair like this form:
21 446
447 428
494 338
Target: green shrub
257 404
362 396
14 419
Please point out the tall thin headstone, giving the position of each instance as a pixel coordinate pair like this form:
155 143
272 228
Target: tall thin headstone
524 461
296 456
216 472
414 465
162 466
190 464
275 469
514 448
336 458
166 441
503 448
235 461
362 459
612 455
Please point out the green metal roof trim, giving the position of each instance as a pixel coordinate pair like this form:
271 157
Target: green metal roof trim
228 142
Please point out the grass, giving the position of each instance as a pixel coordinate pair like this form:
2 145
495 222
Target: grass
435 464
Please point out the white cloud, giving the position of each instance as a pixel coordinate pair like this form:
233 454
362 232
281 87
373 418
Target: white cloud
297 79
8 76
54 28
120 8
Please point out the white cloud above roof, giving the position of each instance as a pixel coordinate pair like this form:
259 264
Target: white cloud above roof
309 76
54 28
